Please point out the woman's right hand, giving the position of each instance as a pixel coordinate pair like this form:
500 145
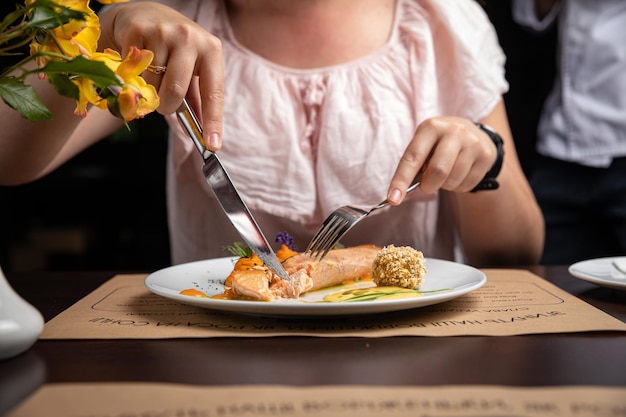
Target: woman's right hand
192 56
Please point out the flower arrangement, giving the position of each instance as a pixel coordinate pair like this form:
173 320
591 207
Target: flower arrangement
62 37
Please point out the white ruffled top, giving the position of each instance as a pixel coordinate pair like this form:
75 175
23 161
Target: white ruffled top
300 143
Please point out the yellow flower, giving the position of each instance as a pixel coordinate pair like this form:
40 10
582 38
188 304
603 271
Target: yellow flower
135 98
87 94
87 90
62 43
77 37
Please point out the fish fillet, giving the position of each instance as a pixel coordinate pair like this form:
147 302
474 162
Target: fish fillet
255 281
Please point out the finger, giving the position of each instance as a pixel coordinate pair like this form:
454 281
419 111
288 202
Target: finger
412 161
154 74
462 173
176 80
211 87
445 168
474 161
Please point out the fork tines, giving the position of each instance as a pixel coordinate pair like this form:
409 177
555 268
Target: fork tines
326 237
333 229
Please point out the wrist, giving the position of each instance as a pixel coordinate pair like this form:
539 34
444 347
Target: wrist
489 182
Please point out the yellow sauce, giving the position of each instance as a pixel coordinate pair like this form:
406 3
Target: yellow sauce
371 294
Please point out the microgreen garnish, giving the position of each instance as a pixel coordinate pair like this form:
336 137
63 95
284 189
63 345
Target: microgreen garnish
285 239
370 294
237 249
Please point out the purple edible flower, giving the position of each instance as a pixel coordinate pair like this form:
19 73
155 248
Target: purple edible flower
286 239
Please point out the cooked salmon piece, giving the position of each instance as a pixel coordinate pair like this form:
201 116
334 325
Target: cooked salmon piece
257 282
251 283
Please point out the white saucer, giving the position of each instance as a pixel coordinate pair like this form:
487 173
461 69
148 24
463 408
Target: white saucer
607 272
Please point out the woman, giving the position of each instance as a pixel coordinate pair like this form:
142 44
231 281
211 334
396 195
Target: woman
324 103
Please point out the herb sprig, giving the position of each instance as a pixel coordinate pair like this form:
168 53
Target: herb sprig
238 249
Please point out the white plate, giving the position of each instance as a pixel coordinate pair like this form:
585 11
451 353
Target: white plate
601 271
208 276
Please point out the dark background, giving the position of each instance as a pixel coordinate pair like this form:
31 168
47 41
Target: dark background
105 209
530 70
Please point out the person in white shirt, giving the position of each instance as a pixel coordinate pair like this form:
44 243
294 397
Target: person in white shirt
579 177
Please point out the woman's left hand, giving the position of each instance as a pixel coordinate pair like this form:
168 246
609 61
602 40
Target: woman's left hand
453 154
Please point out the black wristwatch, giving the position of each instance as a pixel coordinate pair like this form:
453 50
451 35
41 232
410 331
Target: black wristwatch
489 182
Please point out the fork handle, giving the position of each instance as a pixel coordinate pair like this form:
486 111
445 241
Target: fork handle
416 182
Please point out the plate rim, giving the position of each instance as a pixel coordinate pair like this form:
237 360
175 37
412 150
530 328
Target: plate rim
609 282
286 308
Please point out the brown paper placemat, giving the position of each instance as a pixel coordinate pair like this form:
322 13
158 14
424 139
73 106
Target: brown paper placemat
159 399
512 302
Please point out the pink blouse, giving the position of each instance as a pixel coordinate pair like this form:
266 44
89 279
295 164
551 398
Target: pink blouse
300 143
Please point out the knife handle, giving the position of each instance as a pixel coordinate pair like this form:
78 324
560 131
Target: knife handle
190 122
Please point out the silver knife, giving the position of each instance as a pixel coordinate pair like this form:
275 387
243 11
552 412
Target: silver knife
226 193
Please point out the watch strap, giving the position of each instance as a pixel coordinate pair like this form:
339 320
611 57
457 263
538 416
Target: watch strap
490 182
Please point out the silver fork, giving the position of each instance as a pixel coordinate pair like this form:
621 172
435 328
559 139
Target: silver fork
340 221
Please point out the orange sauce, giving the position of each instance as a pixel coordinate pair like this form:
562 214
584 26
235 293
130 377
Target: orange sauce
228 294
192 292
242 264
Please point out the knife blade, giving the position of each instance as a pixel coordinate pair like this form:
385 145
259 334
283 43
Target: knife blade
228 196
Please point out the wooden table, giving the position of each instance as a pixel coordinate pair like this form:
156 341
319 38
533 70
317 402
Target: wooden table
591 358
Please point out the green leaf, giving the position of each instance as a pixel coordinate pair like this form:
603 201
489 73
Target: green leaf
24 99
64 85
49 15
98 72
11 18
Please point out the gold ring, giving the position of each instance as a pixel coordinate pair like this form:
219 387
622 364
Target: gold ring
157 69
